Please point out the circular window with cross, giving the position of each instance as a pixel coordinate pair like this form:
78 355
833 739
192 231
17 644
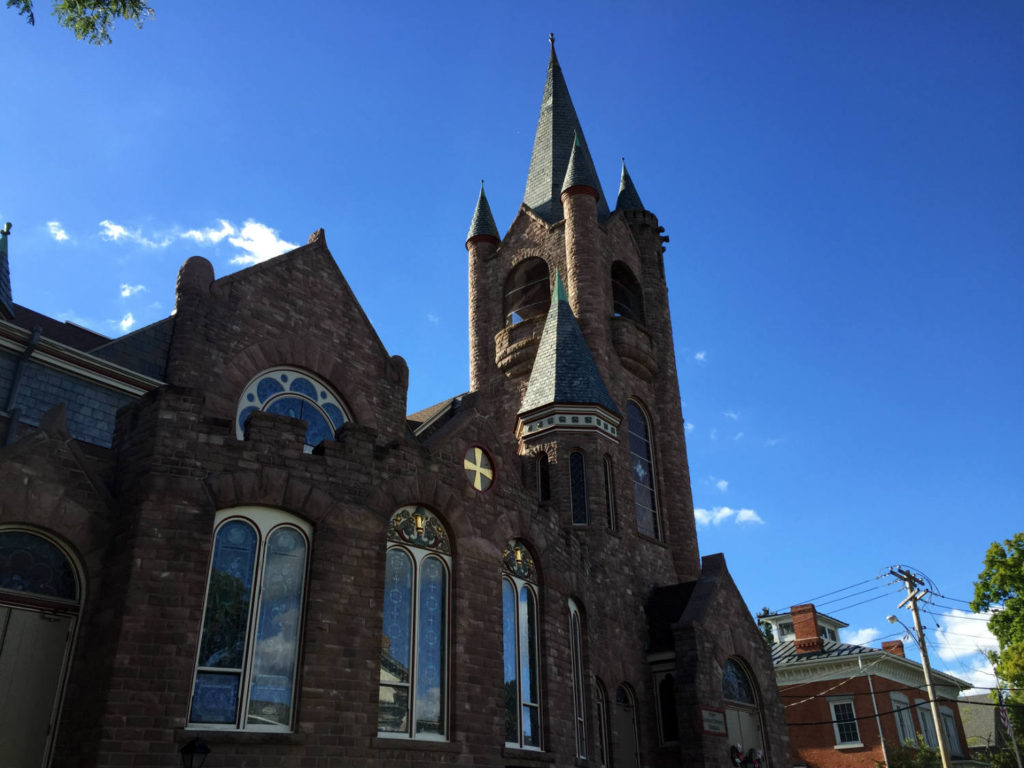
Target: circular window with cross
479 468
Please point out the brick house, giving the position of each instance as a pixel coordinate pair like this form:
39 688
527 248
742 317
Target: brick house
848 705
225 526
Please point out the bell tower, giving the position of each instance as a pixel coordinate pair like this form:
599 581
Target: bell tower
571 340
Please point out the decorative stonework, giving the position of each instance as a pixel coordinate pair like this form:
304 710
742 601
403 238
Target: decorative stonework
479 468
518 561
419 527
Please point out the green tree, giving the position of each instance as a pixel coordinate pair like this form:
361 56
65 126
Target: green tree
1000 586
90 20
902 756
765 627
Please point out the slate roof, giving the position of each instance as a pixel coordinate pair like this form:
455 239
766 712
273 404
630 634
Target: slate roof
483 221
564 371
628 199
552 147
61 331
143 351
579 173
426 422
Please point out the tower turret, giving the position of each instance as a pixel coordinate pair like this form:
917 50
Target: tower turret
628 199
482 243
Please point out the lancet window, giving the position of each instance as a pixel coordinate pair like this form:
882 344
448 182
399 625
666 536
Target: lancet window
641 457
521 647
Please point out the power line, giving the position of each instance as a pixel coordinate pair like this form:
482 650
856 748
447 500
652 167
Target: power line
836 591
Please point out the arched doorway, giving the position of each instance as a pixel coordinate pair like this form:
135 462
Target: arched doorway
40 597
742 716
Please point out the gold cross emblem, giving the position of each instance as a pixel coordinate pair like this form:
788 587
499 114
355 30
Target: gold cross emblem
478 468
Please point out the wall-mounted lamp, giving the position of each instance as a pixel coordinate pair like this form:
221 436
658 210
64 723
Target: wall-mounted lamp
194 753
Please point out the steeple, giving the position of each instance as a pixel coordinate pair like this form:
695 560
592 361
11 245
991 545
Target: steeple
483 222
6 306
552 149
579 173
628 199
566 391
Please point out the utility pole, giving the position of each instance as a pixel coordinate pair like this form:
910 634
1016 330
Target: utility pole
913 595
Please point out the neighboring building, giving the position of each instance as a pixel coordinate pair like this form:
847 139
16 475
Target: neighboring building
848 705
225 526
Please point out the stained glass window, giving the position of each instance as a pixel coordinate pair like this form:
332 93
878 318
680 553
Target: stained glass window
34 565
521 648
295 394
578 489
575 642
609 492
642 462
736 685
414 644
249 642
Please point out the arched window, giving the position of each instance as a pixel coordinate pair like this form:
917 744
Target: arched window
543 478
609 492
601 713
641 458
742 717
576 643
627 297
578 489
627 745
668 720
293 393
249 643
38 580
414 644
521 647
527 291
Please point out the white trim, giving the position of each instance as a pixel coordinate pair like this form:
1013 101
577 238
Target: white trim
839 701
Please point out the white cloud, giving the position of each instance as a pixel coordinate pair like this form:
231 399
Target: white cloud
259 242
130 290
737 436
771 442
979 674
731 414
714 433
127 322
722 485
961 634
433 319
718 515
700 356
861 636
689 426
210 235
116 233
57 230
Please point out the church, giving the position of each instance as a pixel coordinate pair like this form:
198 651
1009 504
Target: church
222 536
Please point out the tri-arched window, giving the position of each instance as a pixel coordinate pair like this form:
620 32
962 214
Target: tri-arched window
627 296
414 644
527 291
252 622
576 649
40 596
641 459
521 647
294 393
578 489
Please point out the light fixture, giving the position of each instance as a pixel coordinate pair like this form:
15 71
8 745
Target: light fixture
891 619
419 521
194 753
519 555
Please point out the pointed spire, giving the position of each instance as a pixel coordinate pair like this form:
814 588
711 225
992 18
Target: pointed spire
564 371
552 149
578 173
6 305
483 222
628 199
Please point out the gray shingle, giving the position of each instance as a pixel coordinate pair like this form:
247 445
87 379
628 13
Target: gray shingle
628 199
483 221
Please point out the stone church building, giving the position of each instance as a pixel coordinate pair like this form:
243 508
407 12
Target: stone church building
224 531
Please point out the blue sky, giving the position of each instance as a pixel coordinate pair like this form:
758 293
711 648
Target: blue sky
842 183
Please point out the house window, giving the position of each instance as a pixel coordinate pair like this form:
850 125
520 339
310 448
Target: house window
527 291
601 712
642 461
521 647
289 392
575 642
904 722
413 695
627 298
785 630
578 489
609 492
248 647
924 717
844 722
949 728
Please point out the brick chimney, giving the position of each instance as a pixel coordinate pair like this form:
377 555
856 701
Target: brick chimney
895 647
805 626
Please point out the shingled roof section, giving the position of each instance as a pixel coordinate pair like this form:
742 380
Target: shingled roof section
628 199
564 371
483 220
579 173
552 148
